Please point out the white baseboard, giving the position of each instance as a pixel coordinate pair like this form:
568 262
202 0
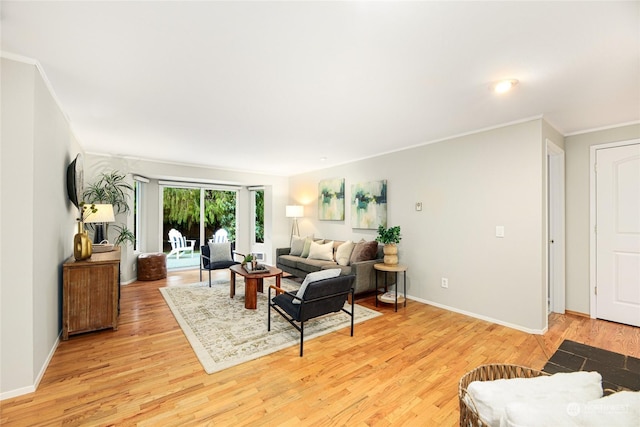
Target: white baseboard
32 388
481 317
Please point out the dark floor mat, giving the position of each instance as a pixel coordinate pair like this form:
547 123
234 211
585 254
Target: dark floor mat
619 372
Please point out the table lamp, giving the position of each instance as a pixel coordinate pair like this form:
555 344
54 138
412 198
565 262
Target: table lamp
102 215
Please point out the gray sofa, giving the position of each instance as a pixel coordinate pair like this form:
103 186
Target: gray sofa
363 270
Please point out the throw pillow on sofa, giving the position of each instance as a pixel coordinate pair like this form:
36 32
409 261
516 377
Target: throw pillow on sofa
307 247
364 251
343 252
297 245
322 251
314 277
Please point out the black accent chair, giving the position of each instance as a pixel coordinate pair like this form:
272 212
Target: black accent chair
320 298
207 264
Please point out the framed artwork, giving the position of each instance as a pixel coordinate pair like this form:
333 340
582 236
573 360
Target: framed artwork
369 204
331 200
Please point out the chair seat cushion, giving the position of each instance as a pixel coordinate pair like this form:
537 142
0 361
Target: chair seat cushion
315 304
285 301
219 265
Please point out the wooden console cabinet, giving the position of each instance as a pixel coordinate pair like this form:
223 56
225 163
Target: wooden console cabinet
91 293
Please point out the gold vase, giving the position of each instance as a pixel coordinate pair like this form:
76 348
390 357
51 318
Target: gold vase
390 251
82 247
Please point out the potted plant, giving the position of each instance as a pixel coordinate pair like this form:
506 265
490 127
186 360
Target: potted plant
111 188
390 237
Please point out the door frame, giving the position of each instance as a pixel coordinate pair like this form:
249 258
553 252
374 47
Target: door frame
555 222
593 241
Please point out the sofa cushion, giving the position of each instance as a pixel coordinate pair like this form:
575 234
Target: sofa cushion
364 251
289 260
343 252
322 251
311 265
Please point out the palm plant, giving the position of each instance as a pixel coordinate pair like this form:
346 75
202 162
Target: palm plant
112 188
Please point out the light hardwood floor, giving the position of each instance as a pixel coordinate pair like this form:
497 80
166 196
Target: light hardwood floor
399 369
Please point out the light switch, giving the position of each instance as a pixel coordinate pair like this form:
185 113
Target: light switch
418 206
499 230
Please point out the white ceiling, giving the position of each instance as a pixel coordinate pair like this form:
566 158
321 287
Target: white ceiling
275 86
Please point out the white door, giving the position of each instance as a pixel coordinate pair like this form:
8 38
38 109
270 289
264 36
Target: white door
555 215
618 234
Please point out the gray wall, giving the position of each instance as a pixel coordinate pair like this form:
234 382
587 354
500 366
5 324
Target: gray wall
468 186
37 225
577 148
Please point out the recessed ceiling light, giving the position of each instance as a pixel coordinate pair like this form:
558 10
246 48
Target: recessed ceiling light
323 159
503 85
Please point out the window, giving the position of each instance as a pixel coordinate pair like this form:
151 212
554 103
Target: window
258 226
138 187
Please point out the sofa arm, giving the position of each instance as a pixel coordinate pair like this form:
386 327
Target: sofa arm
365 275
282 251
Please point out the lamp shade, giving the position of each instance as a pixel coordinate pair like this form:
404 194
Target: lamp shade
104 213
294 211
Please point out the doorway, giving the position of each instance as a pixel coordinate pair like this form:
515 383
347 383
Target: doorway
555 229
197 212
615 238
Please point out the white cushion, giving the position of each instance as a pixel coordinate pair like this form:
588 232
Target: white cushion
343 252
491 397
220 252
617 409
314 277
321 251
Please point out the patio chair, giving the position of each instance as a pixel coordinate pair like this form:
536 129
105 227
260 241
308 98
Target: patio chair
217 256
319 298
220 236
179 244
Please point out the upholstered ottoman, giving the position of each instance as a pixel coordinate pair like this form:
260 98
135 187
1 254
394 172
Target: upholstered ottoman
152 266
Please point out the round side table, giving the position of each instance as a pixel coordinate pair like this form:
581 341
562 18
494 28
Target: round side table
383 297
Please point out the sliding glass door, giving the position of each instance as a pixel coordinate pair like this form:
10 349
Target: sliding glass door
219 213
197 213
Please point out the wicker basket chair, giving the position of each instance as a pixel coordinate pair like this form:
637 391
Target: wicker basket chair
468 414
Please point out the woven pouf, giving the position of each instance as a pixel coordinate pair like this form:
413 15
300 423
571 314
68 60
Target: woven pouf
152 266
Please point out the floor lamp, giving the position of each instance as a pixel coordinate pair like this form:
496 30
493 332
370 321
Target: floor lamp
102 215
295 212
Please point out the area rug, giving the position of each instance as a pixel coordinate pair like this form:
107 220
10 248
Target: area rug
223 333
619 372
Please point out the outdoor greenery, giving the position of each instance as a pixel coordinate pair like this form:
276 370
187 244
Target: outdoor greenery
182 211
260 216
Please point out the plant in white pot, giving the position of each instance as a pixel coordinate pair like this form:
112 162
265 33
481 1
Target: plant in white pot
390 237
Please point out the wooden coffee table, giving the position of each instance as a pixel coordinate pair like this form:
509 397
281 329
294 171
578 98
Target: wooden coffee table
253 282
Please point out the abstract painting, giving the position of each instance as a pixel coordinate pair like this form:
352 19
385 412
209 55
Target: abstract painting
331 200
369 204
